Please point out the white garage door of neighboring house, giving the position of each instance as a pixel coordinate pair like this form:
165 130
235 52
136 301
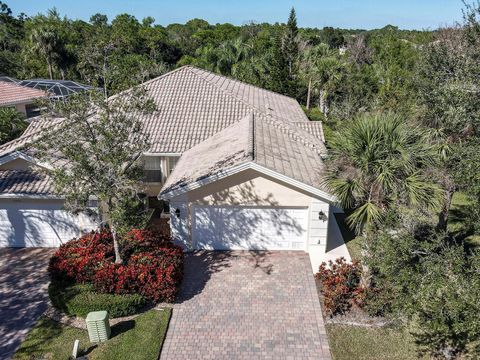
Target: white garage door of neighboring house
39 223
247 228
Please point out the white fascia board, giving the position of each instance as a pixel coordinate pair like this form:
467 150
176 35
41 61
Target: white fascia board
161 154
21 102
31 196
38 196
20 155
250 165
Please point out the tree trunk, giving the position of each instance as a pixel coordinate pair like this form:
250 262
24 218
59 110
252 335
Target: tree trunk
309 92
50 69
116 248
366 276
322 103
447 202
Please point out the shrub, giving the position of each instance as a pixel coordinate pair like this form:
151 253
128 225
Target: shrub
77 260
153 265
155 275
340 285
81 299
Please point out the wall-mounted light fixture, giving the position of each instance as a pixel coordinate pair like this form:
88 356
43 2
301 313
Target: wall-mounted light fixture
322 216
177 212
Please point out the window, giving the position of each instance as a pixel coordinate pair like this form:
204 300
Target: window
32 110
153 169
172 162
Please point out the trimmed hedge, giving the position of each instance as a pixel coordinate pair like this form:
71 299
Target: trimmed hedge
81 299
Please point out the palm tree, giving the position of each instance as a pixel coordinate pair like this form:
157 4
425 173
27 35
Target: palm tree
377 163
45 43
321 69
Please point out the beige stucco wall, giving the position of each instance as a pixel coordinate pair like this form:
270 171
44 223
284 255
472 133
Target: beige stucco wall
22 108
17 164
248 188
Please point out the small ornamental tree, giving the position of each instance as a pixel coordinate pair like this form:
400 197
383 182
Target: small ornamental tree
96 153
12 124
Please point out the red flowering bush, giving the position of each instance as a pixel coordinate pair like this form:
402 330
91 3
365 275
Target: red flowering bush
77 260
153 265
340 285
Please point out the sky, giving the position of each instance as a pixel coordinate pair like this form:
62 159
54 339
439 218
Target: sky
352 14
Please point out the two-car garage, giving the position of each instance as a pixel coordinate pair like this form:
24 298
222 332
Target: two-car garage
249 227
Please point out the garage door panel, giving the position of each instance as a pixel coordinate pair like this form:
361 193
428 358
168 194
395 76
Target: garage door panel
243 228
38 224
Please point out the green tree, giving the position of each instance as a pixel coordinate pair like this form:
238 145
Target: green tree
378 163
432 284
101 141
46 43
278 76
290 43
12 124
449 79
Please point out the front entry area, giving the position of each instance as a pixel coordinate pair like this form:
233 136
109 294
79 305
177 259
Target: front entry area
249 228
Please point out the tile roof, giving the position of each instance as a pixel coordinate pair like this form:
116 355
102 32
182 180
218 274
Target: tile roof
25 182
255 138
11 93
194 105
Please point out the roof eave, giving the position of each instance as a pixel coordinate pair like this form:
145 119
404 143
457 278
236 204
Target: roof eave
317 193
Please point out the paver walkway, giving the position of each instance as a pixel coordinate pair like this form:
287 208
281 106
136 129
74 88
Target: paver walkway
247 305
23 294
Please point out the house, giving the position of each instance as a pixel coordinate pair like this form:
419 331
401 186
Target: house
239 167
57 89
21 98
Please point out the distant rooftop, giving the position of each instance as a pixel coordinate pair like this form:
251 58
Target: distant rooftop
59 89
11 94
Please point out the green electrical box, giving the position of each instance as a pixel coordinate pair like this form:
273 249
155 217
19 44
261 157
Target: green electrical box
98 326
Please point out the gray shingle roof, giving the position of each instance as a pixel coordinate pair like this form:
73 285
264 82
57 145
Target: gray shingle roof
25 182
256 138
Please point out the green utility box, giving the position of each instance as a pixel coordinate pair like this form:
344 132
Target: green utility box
98 326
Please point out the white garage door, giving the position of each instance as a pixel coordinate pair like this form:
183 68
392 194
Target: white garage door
39 223
245 228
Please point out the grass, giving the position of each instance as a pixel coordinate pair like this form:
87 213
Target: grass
352 342
140 338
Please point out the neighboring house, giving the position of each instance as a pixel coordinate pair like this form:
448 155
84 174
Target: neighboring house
57 89
21 98
239 167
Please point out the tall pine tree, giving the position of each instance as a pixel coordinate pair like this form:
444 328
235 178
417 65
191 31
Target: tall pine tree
290 44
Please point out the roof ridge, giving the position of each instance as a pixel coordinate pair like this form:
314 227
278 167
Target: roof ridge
251 139
266 113
242 82
292 131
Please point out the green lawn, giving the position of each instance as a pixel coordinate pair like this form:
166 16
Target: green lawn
140 338
352 342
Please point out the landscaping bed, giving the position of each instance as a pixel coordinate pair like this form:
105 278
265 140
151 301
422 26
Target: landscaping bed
85 278
139 338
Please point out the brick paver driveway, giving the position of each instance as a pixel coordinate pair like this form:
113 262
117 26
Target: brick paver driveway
23 294
247 305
